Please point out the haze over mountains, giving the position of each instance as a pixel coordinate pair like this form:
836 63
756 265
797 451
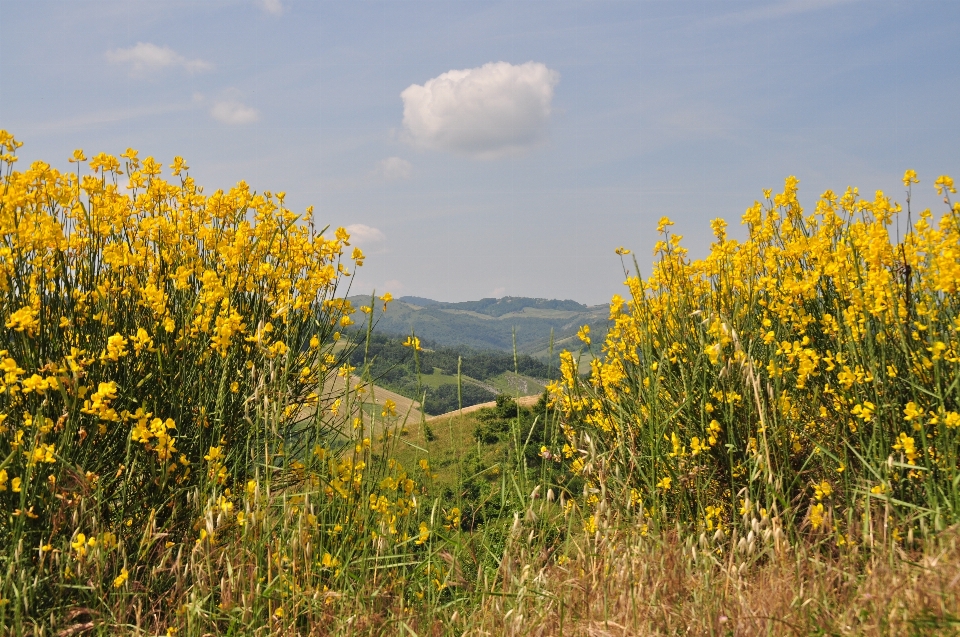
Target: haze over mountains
491 323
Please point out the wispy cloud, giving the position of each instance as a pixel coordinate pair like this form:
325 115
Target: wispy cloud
496 110
364 235
234 112
776 10
103 118
274 7
145 59
393 168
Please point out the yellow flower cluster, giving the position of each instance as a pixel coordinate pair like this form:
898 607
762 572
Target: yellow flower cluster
800 351
150 328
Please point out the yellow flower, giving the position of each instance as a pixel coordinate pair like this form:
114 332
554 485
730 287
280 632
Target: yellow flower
911 411
214 455
116 348
328 561
389 408
665 483
714 430
816 516
910 177
34 383
590 525
178 165
713 352
696 446
584 334
944 183
121 579
906 445
822 490
26 319
424 534
79 545
864 411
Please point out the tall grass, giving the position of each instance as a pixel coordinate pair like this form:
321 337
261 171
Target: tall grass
806 378
186 449
167 434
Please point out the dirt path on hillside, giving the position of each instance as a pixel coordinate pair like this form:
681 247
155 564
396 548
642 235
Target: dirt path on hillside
523 401
410 409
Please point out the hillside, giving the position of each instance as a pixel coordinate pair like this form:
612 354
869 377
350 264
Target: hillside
491 323
483 373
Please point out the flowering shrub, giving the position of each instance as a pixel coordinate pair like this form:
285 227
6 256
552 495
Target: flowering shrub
166 362
806 374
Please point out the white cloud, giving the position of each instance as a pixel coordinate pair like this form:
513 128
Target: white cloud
271 6
231 111
496 110
144 58
365 235
393 168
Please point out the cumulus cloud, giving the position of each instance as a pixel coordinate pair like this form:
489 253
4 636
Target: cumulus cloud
271 6
365 235
145 58
496 110
393 168
234 112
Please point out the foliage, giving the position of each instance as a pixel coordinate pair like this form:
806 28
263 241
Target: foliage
445 398
393 366
808 375
174 457
163 358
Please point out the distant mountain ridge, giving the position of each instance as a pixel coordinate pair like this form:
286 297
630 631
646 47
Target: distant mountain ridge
501 306
418 300
491 323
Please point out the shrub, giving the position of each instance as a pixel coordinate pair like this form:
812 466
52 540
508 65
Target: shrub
808 374
167 361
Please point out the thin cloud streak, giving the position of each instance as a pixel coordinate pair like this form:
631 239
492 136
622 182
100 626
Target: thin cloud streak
776 11
91 120
145 58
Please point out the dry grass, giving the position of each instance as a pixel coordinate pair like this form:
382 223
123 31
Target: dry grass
632 586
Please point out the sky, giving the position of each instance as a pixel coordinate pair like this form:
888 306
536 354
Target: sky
479 149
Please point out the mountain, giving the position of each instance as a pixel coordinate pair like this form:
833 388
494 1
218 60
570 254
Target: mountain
418 300
491 323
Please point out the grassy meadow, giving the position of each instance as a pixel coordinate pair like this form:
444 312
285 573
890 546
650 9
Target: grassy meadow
766 441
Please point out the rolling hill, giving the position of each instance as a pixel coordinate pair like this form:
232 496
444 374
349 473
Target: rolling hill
491 323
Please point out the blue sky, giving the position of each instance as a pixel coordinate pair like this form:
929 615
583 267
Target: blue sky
569 131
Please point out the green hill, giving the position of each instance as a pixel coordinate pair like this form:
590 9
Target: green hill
483 373
491 323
